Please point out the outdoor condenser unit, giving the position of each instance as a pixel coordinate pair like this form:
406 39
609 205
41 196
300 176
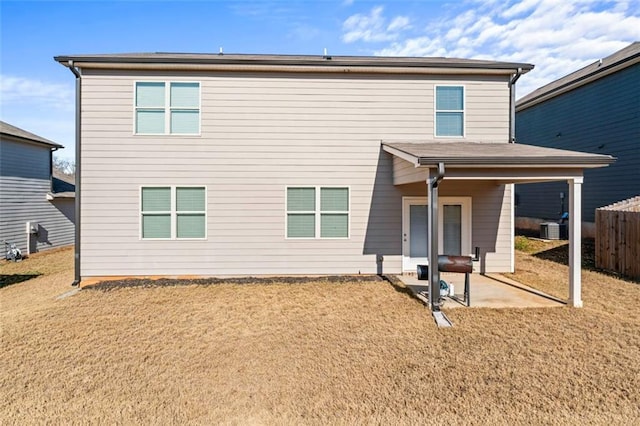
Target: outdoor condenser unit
553 231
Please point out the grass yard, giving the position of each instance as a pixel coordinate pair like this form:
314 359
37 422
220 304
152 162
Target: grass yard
312 353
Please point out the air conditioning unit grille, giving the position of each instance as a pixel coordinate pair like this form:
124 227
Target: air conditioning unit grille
549 231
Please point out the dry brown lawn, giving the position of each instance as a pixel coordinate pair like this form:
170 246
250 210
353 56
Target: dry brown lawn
313 353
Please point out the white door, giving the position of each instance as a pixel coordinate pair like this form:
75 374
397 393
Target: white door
414 233
454 238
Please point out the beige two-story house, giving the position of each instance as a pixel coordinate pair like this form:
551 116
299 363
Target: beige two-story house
218 164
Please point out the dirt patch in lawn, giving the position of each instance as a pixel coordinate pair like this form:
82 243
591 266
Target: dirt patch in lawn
316 353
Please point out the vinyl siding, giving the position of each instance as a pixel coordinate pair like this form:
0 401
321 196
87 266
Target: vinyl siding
24 183
492 223
260 134
601 117
405 172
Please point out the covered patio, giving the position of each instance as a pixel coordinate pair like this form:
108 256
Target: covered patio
502 164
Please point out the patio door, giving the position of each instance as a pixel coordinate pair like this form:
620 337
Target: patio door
454 238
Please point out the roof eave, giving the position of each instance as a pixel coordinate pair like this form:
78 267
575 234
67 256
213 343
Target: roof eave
519 161
534 98
335 64
49 144
57 195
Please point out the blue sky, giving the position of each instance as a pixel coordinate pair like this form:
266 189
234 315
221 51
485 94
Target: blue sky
37 94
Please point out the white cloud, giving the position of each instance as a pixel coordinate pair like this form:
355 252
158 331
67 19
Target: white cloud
399 23
419 46
373 27
520 7
41 107
558 37
42 94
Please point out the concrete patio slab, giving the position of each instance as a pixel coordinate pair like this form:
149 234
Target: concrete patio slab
488 291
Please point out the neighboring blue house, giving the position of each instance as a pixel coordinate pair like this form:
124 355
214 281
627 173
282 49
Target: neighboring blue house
595 109
32 192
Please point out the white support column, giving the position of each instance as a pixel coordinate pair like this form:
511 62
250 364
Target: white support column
575 242
512 190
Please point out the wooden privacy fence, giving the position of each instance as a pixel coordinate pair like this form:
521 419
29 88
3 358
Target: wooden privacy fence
618 237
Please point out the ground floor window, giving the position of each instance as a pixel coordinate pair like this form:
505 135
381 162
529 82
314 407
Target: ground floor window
317 212
173 212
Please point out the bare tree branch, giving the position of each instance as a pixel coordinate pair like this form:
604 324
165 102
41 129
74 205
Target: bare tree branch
67 167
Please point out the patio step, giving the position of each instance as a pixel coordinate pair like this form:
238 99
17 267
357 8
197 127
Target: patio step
441 319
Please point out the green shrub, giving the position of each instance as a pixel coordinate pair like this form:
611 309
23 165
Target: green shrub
522 244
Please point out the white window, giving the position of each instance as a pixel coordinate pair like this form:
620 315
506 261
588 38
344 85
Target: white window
168 212
449 109
167 108
317 212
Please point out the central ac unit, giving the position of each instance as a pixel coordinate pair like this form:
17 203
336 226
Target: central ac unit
550 231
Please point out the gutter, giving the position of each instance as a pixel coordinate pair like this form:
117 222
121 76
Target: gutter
78 75
199 66
22 139
352 62
597 160
512 105
291 63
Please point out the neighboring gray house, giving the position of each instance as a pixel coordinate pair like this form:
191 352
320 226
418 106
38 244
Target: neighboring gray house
273 164
595 109
30 192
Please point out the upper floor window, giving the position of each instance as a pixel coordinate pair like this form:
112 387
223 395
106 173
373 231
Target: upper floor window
449 111
167 108
314 212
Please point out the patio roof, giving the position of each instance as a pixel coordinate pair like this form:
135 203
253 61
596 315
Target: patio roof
481 154
504 163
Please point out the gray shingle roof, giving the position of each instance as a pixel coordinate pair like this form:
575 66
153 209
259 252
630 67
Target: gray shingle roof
496 154
293 60
62 183
621 59
16 132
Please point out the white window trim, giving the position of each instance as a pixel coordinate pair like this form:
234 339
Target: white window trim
174 213
466 230
167 109
463 111
317 212
467 225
